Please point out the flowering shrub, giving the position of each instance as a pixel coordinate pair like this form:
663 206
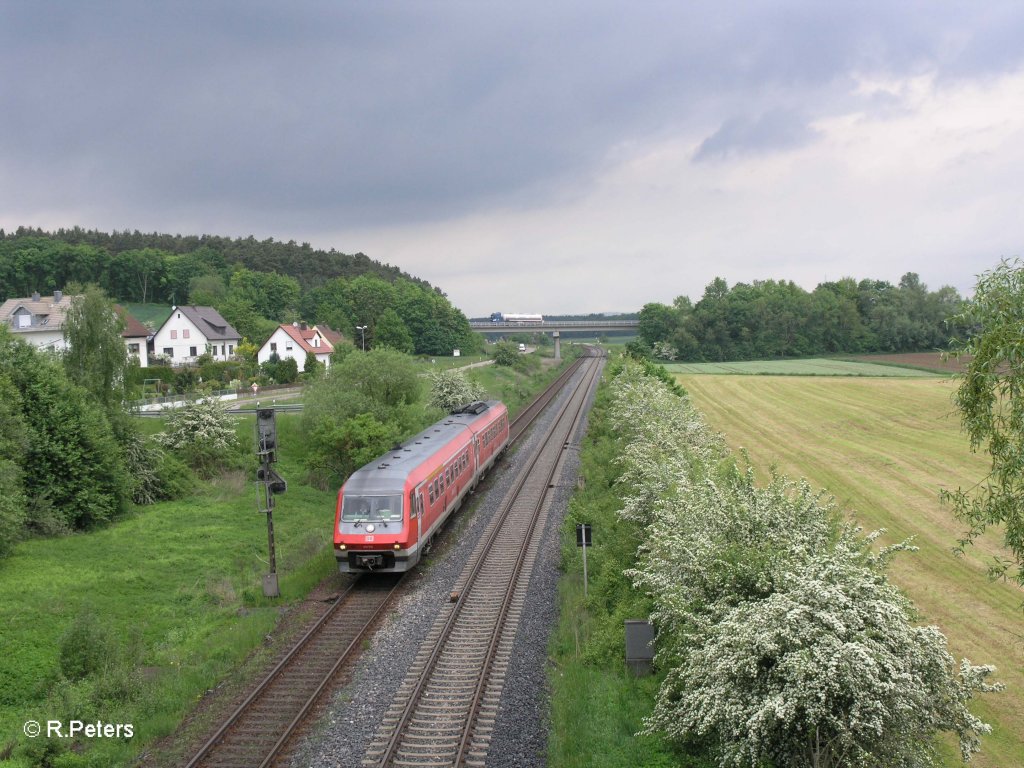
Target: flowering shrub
451 390
203 434
783 641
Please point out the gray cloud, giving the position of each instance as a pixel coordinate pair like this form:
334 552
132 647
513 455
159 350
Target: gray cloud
312 117
774 130
372 112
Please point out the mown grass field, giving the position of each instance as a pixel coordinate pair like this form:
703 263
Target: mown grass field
811 367
884 447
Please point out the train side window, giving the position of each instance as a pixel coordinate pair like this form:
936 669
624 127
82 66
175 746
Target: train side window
430 492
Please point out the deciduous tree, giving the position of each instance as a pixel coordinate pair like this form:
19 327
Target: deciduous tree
96 357
990 398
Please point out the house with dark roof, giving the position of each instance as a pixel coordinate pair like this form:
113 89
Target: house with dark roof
294 341
192 331
38 320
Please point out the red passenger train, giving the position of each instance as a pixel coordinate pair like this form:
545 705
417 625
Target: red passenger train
389 510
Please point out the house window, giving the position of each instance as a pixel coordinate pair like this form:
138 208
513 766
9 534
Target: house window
231 349
192 351
273 346
288 346
184 334
169 351
133 349
174 334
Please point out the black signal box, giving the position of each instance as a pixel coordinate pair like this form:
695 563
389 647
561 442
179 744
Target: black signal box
266 435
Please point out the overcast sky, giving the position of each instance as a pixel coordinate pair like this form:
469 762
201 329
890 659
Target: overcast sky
533 156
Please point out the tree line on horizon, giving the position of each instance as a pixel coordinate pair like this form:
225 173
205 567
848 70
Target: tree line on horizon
777 318
254 284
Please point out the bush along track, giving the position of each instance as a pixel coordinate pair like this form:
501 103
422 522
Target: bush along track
779 639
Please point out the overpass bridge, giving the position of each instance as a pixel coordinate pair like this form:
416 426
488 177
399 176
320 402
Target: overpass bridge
554 327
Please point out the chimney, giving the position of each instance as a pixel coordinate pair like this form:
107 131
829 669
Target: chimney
35 295
57 296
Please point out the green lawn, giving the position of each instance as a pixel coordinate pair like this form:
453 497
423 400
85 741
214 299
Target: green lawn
884 448
175 589
810 367
151 314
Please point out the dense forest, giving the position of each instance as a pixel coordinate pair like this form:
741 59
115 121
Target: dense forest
769 318
255 284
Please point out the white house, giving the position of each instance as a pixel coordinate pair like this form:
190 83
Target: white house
38 320
294 341
192 331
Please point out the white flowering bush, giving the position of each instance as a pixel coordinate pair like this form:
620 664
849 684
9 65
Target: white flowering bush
451 390
782 639
203 435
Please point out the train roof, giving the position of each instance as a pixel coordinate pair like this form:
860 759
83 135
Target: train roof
387 473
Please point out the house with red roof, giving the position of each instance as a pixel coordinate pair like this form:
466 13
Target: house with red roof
295 340
136 336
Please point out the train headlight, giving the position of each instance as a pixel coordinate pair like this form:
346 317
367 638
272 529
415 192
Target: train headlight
341 546
370 528
398 546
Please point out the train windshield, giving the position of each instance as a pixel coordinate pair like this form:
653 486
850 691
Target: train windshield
362 509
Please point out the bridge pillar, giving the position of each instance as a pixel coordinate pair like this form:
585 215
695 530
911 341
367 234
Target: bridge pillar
558 346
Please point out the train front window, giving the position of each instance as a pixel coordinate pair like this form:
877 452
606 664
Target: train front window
367 509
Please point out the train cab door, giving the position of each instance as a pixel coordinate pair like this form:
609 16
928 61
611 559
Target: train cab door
417 510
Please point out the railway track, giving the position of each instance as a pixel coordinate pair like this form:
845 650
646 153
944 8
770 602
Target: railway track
256 733
444 713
